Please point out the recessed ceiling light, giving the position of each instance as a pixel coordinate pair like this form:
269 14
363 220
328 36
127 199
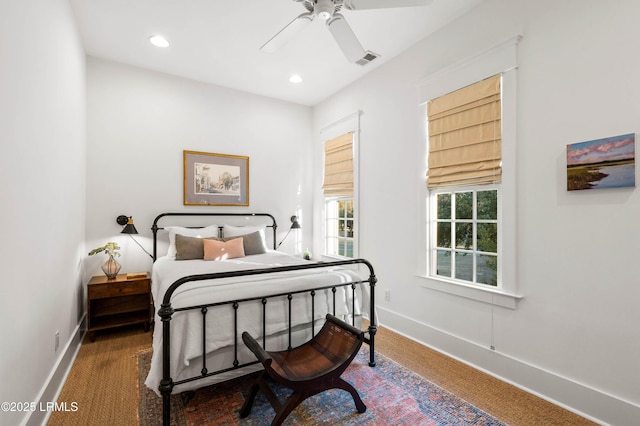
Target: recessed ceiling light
295 78
159 41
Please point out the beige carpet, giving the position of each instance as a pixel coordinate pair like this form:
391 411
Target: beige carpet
103 381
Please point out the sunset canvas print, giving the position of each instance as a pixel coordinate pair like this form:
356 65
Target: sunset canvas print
601 163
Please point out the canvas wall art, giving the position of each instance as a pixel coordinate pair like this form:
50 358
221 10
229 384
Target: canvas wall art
601 163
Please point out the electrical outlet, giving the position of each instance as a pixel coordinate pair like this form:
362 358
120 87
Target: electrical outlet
57 343
387 295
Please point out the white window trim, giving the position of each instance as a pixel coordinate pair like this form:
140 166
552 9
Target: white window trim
346 124
500 59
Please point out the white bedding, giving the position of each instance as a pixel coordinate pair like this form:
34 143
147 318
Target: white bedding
186 327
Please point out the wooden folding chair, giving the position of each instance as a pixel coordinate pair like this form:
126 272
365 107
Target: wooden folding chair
309 369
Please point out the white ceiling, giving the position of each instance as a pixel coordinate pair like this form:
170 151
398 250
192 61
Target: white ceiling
218 41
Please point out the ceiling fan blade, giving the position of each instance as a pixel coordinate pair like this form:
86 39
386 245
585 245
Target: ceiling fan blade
287 33
383 4
345 37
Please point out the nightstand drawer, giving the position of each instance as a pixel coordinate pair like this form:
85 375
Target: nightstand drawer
97 291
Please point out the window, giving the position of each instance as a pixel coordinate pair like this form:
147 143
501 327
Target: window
465 234
339 227
338 190
465 151
499 61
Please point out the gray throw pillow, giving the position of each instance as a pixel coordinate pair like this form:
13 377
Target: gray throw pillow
189 248
253 243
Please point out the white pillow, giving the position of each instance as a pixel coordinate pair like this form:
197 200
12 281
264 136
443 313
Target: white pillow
238 231
209 231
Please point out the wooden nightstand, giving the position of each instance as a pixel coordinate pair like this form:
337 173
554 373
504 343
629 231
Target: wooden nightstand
118 302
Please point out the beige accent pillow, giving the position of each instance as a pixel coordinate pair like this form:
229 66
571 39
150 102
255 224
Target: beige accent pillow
222 250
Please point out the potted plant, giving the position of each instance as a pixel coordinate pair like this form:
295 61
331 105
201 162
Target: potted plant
111 267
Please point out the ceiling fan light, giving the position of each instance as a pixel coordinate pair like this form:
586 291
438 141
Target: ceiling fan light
324 15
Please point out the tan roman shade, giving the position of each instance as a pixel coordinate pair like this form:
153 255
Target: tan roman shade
338 166
465 136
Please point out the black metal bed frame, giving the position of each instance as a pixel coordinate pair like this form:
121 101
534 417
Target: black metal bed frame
166 311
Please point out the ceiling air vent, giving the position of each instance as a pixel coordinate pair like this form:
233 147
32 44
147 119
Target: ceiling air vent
368 57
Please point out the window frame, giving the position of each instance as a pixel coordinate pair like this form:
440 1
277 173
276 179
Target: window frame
433 244
499 59
349 123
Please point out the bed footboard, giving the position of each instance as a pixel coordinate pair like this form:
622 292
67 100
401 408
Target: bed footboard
166 313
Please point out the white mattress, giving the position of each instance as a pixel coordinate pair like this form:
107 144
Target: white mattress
186 327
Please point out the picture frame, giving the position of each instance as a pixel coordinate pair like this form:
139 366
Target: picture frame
212 179
601 163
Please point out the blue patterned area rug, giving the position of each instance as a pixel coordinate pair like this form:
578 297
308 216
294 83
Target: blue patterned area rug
393 395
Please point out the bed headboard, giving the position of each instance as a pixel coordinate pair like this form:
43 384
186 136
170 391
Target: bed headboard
155 228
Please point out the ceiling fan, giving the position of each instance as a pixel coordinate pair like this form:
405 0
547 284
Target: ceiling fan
329 11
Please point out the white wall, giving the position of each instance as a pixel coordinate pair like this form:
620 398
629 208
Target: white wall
139 124
574 337
42 170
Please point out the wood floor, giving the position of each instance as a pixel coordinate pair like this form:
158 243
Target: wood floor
103 382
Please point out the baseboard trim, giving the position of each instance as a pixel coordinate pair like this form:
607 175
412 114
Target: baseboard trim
585 401
53 386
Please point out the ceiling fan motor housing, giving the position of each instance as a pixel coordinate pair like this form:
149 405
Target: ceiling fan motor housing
324 9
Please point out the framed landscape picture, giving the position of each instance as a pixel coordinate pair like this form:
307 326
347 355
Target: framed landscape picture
215 179
602 163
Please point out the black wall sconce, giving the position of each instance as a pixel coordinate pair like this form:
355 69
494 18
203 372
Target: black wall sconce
294 225
129 229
